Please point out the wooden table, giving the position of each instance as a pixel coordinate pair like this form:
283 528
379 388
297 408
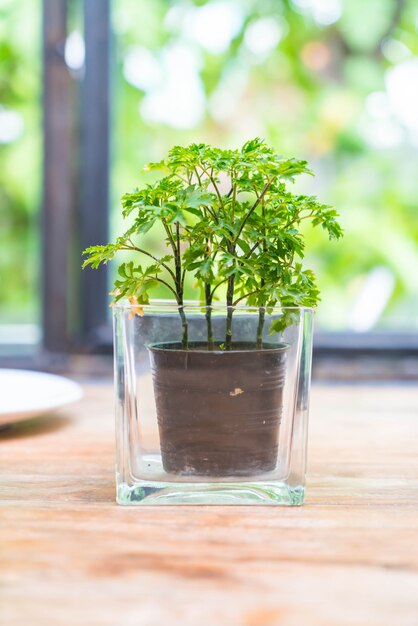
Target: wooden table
349 557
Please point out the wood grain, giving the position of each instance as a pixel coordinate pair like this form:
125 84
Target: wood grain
349 557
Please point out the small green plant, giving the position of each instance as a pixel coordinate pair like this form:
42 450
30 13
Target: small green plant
231 221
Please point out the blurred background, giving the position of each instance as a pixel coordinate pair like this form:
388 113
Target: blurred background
91 91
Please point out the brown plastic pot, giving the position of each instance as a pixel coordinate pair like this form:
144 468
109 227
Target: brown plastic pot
218 411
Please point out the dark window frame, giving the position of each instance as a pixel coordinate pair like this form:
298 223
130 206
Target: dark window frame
75 207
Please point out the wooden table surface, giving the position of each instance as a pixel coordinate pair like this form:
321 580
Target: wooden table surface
349 557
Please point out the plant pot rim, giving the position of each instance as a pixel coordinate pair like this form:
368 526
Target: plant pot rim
198 305
169 346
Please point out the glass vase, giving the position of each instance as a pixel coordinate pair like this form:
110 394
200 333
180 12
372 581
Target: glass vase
211 403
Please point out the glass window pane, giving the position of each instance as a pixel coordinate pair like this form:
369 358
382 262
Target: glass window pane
20 171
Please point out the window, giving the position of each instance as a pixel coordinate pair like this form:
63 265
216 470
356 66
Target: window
330 81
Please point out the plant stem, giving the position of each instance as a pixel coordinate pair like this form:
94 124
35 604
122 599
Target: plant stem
179 287
262 309
261 320
208 315
213 181
163 282
230 310
234 195
164 265
216 287
298 218
253 249
253 208
184 325
169 236
246 295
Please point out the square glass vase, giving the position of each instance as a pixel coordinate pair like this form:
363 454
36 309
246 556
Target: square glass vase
211 403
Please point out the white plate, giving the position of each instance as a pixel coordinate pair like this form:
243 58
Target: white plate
25 394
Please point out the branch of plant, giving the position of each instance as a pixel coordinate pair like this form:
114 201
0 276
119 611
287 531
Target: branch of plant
213 181
136 249
183 277
212 214
170 237
253 249
164 282
253 208
198 177
246 295
222 282
298 218
184 180
234 195
178 264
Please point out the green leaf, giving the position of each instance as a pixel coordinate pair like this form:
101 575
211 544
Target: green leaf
100 254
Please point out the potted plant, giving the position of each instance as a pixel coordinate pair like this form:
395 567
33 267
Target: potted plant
231 225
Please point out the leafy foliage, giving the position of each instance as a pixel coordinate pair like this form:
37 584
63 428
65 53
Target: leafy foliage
231 221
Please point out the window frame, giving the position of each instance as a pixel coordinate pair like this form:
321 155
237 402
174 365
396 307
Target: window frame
75 207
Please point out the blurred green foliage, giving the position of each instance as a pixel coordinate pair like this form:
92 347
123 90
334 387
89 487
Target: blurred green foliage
315 78
20 159
330 81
